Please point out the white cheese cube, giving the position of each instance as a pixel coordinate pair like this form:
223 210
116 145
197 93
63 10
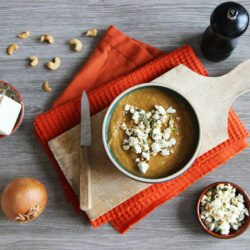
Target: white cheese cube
172 141
148 115
171 110
160 109
127 107
167 133
143 167
156 147
146 155
137 149
136 116
145 147
9 112
126 147
156 134
165 152
141 126
124 126
156 117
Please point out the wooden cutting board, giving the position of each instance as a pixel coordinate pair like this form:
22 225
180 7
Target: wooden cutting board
212 97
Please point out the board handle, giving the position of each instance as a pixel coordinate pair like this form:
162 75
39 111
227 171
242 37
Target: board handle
236 82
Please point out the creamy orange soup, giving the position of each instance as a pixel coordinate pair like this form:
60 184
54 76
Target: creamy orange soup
185 133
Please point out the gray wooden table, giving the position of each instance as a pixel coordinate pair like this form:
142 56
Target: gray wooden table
162 23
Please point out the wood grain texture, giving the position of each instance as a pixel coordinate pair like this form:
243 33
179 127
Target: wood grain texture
162 23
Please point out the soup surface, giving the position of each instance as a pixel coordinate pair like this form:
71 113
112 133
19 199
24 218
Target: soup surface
183 132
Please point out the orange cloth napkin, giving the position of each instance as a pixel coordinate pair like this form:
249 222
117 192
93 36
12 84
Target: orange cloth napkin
63 117
115 55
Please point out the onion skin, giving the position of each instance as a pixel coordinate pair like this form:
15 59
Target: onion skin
24 199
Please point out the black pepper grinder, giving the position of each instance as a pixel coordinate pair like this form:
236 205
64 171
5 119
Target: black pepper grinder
228 21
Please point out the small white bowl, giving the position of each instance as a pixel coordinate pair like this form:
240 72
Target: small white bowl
106 125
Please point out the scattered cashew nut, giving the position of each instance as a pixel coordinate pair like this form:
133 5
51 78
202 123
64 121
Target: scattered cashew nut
47 38
77 43
11 48
33 61
92 32
24 35
46 87
54 64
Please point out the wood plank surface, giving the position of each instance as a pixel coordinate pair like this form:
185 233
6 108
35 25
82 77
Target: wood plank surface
161 23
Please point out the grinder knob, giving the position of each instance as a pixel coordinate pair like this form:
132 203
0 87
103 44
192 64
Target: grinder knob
228 21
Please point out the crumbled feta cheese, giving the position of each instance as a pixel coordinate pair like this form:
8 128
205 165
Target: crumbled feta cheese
156 134
137 159
146 155
222 210
166 133
141 126
171 110
165 152
156 116
136 116
143 167
164 118
145 147
127 107
126 147
161 110
172 141
125 141
133 141
148 134
165 144
128 132
156 147
148 115
137 149
124 126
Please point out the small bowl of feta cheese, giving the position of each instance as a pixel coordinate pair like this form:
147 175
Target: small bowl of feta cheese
223 210
11 109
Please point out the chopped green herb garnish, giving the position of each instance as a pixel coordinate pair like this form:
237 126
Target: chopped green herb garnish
141 116
173 129
148 140
217 228
152 123
151 133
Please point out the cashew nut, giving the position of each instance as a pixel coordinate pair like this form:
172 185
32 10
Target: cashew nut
34 61
24 35
46 87
77 43
47 38
54 64
11 48
92 32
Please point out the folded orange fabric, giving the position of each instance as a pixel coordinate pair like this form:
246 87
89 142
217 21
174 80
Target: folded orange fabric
115 55
64 117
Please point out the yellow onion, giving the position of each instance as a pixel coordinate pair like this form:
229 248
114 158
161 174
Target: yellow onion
24 199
